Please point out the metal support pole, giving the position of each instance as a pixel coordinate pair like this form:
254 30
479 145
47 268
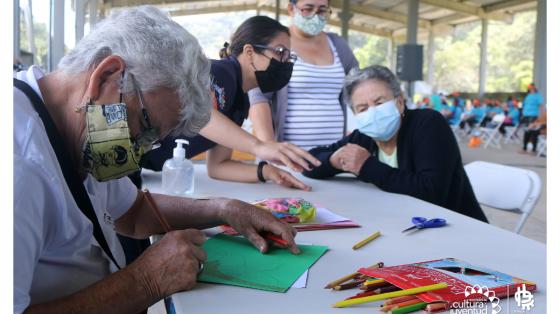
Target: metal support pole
539 69
80 18
56 33
30 30
390 62
345 17
412 22
278 10
411 35
483 58
92 13
431 51
16 29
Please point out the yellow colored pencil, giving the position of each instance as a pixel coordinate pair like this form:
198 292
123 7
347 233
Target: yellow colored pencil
348 277
387 295
373 281
366 240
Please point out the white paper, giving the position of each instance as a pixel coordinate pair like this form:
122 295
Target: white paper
325 216
302 281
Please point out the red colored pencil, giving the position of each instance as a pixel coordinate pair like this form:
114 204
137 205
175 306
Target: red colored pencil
362 294
277 240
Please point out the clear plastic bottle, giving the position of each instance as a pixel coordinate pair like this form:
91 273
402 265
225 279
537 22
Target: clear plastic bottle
178 172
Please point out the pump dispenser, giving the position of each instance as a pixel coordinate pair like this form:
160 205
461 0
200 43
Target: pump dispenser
178 172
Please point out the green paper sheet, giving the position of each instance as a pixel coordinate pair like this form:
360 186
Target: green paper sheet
235 261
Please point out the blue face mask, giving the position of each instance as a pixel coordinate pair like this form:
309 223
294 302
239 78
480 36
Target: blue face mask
380 122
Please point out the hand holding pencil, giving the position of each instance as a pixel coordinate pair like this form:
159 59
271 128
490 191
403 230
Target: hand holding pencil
179 253
258 225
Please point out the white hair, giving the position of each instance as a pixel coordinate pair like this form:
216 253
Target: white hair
374 72
158 52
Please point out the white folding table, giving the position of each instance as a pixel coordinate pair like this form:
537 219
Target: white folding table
463 238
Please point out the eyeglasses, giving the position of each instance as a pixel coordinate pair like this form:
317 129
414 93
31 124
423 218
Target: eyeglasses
285 54
309 10
148 137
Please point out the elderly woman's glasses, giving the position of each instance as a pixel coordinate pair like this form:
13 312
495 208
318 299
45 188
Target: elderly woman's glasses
309 10
285 54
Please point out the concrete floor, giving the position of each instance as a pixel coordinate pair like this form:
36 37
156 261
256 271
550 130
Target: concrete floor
535 227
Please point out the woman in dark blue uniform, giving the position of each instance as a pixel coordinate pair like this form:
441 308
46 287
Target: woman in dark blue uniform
259 55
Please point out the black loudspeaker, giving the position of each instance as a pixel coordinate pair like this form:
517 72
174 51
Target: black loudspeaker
409 62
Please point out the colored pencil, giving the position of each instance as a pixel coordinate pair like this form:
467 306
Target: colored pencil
436 307
386 289
400 299
389 307
361 295
366 240
159 216
373 281
276 239
409 309
372 292
351 276
349 285
383 296
374 286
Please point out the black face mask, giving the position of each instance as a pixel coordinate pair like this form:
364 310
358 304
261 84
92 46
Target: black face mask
276 76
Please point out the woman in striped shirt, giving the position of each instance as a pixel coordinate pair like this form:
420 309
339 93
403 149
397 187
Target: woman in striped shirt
309 111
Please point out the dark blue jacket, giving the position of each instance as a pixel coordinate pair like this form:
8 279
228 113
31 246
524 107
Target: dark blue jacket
429 164
231 101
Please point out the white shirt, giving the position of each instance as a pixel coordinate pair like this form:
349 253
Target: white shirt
390 160
55 252
314 116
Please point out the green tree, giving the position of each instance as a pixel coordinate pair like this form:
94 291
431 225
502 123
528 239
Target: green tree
369 49
41 41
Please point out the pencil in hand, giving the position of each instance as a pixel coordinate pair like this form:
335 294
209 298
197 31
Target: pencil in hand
275 239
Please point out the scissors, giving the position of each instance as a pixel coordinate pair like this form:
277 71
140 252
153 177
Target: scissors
422 223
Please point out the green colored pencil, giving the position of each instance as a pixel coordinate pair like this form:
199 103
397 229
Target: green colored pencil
409 309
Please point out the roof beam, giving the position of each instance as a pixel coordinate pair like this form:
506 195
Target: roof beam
336 22
468 9
215 9
127 3
455 6
379 13
449 19
505 4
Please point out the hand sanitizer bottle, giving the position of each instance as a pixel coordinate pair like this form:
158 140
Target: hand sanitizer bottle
178 172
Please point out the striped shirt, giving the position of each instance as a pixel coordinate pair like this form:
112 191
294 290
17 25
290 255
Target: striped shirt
314 116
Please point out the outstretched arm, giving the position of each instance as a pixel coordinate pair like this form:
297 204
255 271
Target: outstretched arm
226 133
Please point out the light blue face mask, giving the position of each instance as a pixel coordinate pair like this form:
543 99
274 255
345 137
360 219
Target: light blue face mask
311 25
380 122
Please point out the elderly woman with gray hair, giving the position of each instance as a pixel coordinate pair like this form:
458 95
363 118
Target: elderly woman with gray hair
410 152
77 132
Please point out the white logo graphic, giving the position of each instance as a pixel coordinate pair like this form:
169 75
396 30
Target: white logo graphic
488 294
524 298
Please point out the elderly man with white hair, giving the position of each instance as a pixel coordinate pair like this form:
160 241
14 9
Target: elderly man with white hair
77 132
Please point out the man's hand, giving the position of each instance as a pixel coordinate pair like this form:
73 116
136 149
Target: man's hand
285 154
252 221
350 158
171 264
283 178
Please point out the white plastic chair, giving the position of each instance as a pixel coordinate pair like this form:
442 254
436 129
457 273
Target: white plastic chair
492 135
504 187
541 146
511 134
